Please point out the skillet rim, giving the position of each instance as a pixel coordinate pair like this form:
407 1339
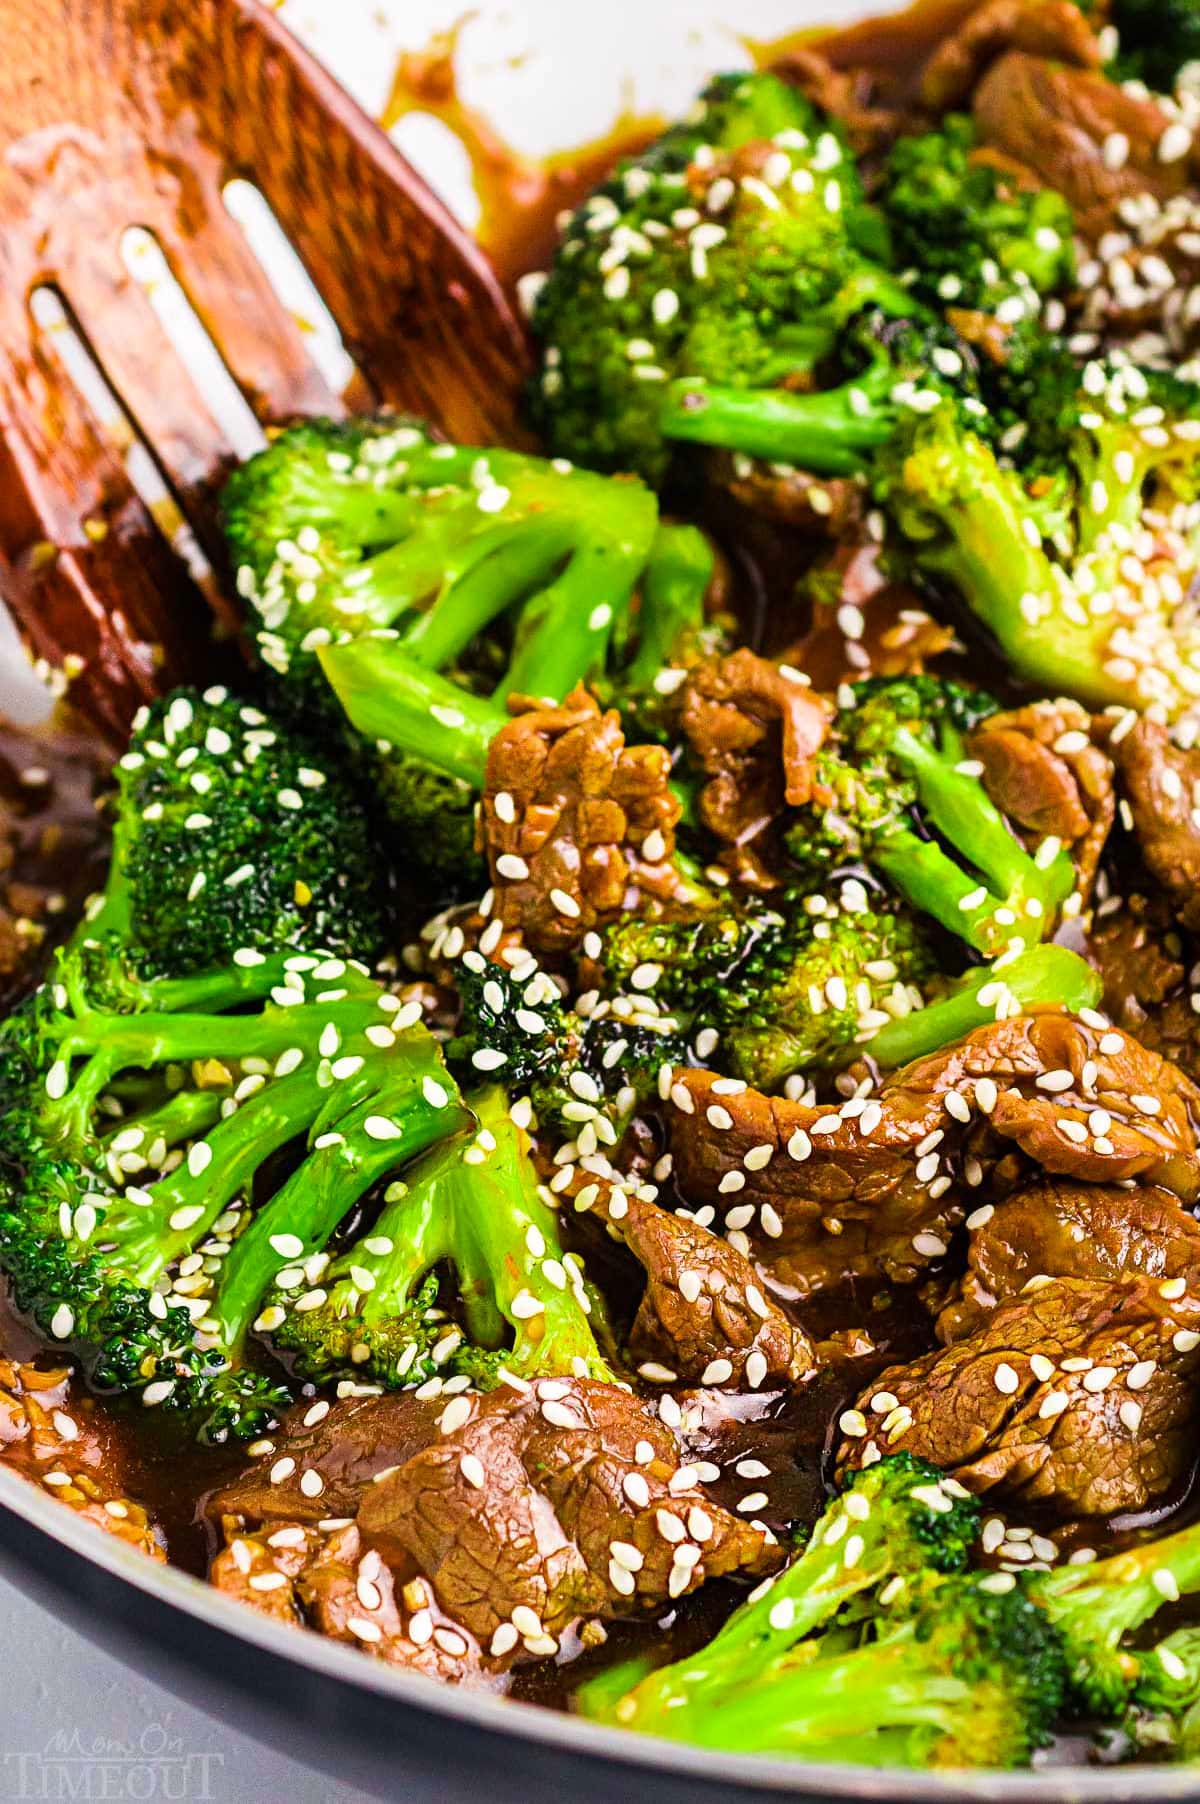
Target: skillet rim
538 1726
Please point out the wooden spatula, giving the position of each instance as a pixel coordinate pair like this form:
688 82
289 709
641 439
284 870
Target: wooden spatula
124 113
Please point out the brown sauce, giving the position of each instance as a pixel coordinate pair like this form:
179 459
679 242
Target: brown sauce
520 197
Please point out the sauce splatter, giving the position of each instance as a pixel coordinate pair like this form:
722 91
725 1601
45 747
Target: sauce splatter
520 196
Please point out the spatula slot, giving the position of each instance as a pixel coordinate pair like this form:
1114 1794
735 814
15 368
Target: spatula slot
143 257
63 340
293 285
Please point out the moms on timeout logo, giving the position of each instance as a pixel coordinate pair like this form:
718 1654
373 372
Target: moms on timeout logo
156 1767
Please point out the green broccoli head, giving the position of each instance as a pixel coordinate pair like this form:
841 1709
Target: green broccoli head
799 986
952 1672
234 831
727 254
574 1070
1075 556
339 530
967 230
975 1678
404 589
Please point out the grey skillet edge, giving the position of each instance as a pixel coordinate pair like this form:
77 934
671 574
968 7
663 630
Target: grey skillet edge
398 1718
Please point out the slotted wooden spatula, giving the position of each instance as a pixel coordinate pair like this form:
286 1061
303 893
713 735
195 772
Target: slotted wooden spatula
123 113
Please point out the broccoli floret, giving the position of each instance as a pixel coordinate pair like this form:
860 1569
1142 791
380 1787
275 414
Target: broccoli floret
798 986
966 229
341 529
93 1257
894 776
729 253
961 1675
1164 1713
1098 1606
233 831
1168 1675
1158 38
599 1069
490 572
898 1522
472 1203
1078 562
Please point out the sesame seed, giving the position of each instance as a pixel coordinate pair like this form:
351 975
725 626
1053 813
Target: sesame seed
1175 143
456 1415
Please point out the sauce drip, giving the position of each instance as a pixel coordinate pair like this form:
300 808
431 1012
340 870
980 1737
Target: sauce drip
520 196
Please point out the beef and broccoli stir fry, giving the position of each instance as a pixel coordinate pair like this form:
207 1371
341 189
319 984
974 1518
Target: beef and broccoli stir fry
625 1124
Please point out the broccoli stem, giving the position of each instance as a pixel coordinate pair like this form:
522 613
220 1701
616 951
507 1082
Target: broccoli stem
183 1117
564 632
381 589
922 872
333 1178
151 1229
825 433
256 980
112 915
391 700
519 560
804 1704
968 820
153 1039
1044 976
674 588
497 1214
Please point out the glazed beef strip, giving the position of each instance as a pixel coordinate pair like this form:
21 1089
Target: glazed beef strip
507 1522
876 1186
574 821
1080 1396
1064 1230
